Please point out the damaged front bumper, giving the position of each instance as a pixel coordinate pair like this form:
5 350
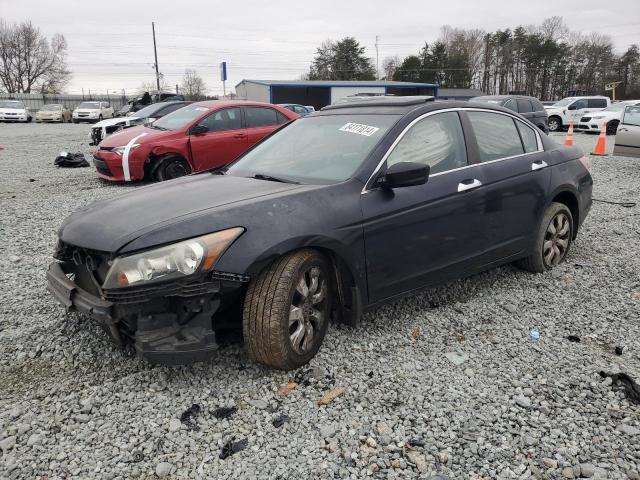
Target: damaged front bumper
170 323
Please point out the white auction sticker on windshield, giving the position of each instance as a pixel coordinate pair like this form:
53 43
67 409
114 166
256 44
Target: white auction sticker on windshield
360 129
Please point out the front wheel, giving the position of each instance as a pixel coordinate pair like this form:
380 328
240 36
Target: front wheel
553 240
168 167
287 309
612 127
555 125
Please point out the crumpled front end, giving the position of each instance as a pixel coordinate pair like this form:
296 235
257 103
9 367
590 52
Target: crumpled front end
172 322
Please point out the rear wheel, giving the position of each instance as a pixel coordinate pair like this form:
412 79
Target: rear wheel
555 124
553 240
168 167
287 310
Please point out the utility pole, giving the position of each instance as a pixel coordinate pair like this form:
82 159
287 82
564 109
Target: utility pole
377 67
155 54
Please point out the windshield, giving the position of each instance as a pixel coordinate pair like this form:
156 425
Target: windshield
148 111
180 118
90 105
51 108
317 150
564 102
11 104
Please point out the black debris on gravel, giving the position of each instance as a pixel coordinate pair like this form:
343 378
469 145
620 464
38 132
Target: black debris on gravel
416 442
622 381
280 420
231 448
224 412
619 350
190 415
574 338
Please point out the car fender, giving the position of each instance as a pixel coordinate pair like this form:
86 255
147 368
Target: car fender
174 146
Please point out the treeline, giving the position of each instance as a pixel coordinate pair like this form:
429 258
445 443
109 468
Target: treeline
547 61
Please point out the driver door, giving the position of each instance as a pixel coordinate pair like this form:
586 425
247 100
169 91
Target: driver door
576 110
224 140
425 234
628 135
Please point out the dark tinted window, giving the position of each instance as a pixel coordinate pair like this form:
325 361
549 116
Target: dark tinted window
496 135
579 104
436 140
511 105
168 109
225 119
536 106
528 136
524 106
597 103
261 117
282 118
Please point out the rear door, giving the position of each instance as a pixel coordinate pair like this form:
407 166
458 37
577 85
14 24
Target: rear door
516 181
628 135
224 140
425 234
261 121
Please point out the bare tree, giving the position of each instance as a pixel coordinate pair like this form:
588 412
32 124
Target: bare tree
193 87
29 62
390 65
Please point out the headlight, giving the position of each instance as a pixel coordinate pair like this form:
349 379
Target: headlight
173 261
120 150
597 118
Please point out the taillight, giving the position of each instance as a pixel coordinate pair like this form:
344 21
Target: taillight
584 160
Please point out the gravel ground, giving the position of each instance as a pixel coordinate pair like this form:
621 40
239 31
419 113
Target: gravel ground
73 406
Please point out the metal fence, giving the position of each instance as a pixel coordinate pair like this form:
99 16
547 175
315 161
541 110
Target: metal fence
34 101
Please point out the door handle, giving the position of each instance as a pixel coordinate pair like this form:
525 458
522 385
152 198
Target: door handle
469 185
623 129
240 135
538 165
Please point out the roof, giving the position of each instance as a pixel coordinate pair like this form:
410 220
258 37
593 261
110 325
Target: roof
382 101
392 106
337 83
459 92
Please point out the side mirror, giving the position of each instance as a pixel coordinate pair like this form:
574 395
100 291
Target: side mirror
199 129
405 174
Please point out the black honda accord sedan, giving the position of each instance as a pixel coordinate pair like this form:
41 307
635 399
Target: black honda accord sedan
329 216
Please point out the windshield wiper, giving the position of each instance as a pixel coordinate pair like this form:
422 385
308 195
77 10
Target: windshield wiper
270 178
151 125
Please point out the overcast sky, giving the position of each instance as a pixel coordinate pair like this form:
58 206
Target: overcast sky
110 42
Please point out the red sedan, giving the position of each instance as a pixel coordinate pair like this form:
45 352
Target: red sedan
200 136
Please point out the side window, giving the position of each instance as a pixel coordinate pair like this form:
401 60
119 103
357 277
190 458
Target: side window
299 109
436 140
597 103
511 105
261 117
225 119
536 106
631 116
282 118
578 104
529 139
524 106
496 135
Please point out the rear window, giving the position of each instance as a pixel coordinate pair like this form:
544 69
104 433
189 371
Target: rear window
262 117
529 139
496 135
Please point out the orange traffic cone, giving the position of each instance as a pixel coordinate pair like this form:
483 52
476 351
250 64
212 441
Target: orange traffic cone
601 146
568 141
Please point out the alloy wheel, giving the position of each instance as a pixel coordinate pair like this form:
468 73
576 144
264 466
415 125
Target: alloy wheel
307 312
556 240
554 125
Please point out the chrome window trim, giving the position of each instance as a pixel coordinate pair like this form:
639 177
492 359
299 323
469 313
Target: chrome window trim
367 187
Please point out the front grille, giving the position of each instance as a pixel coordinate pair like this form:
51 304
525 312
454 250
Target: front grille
585 119
102 167
142 294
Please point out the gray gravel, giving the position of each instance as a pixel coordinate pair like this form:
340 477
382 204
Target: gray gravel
444 384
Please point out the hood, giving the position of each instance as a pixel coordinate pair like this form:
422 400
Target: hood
113 121
609 115
200 204
13 110
123 136
87 110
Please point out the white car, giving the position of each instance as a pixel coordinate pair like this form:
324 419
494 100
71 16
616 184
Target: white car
92 112
611 115
572 109
14 111
147 115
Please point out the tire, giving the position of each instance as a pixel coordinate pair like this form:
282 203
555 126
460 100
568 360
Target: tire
274 333
555 124
541 259
612 127
168 167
